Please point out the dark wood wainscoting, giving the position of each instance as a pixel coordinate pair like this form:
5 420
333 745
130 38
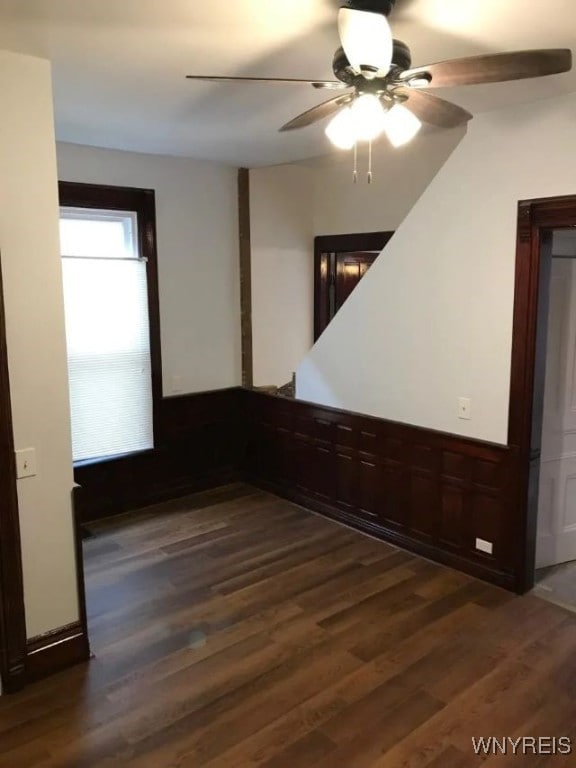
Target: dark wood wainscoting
430 492
198 446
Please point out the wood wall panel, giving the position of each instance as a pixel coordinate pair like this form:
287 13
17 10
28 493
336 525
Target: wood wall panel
198 445
427 491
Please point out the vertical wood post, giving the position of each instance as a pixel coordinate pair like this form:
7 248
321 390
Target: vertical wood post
245 276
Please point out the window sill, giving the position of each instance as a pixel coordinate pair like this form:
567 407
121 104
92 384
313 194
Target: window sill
109 459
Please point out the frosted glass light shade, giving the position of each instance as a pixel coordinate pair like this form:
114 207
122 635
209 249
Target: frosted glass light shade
368 116
366 39
341 129
400 125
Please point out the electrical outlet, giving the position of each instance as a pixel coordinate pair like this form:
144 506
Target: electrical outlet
484 546
464 408
25 462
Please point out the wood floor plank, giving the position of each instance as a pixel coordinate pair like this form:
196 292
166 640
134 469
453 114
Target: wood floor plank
235 629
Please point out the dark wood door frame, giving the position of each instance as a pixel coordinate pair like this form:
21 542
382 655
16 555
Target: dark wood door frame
536 220
12 616
325 244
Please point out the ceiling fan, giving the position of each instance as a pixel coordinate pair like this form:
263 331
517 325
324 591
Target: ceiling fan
382 92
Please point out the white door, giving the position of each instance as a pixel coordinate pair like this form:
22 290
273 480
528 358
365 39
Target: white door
556 541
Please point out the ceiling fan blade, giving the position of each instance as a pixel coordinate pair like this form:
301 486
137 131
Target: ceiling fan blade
495 68
319 112
332 84
431 109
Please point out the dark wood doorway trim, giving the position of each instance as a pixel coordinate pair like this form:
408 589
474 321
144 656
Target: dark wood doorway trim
326 244
536 220
12 616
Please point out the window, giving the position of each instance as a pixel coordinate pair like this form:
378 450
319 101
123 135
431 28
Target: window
111 306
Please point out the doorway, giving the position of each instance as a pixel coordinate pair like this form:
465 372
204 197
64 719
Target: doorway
556 518
340 262
535 435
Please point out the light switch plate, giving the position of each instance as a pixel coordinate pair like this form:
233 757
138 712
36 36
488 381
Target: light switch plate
25 463
464 408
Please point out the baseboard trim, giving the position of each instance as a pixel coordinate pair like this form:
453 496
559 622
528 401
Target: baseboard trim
379 531
55 651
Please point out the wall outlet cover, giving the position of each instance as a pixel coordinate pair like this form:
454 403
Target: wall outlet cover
484 546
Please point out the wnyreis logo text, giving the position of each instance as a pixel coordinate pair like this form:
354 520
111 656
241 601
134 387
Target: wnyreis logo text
523 745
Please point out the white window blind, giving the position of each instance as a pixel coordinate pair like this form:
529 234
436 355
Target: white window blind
107 333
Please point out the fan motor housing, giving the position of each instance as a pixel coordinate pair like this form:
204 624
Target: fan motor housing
375 6
401 60
401 56
342 69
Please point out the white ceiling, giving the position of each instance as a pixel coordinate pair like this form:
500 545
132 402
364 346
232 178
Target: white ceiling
119 65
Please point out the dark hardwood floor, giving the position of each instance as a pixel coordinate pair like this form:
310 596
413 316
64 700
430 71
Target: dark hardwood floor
234 630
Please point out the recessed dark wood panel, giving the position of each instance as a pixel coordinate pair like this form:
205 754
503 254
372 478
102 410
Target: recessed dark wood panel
423 505
394 497
347 480
455 465
369 488
487 516
452 530
428 491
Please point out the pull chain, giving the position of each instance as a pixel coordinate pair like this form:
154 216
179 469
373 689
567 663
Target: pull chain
355 174
370 162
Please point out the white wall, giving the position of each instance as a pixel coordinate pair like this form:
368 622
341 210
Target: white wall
35 336
282 270
290 204
433 319
400 176
197 230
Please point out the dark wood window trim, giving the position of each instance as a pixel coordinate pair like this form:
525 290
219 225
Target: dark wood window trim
536 220
12 615
327 244
142 201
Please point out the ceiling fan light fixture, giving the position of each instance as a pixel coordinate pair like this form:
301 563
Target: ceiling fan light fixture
368 117
341 129
401 125
367 41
